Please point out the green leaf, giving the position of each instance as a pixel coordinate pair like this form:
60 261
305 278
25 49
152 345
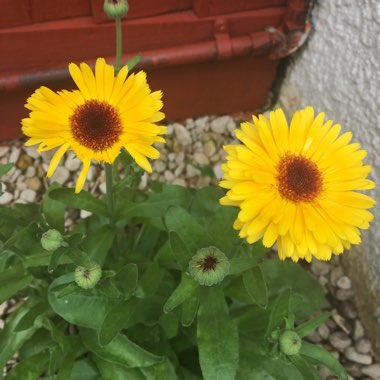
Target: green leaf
150 281
30 368
256 287
27 321
120 351
320 355
56 257
78 257
184 290
5 168
67 364
16 237
169 325
307 370
217 336
133 61
179 249
53 210
116 319
206 201
126 279
98 243
111 371
279 311
308 327
85 308
12 281
241 264
190 309
11 341
192 234
83 201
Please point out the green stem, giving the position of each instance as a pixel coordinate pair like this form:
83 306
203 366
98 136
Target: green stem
119 44
109 193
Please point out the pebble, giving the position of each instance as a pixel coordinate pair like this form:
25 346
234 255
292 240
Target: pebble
61 175
363 346
15 154
180 182
343 294
354 356
323 331
28 195
169 176
219 125
72 163
33 183
349 310
6 198
314 337
182 134
103 187
159 166
209 148
30 172
85 214
218 171
20 183
336 274
4 149
179 170
200 158
320 268
191 171
358 330
339 340
24 162
372 371
344 283
31 151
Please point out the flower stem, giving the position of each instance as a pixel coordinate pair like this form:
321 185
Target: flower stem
119 44
109 193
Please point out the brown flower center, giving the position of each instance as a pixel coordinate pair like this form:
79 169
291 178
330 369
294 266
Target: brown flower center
299 179
96 125
208 263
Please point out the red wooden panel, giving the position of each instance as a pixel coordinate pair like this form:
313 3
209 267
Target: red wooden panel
46 10
53 44
14 13
142 8
204 8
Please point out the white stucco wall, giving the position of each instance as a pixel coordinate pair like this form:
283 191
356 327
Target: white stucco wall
338 72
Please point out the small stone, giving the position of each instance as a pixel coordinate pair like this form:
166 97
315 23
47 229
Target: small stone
15 154
349 311
169 176
6 198
219 125
340 321
28 195
179 182
159 166
191 171
339 340
169 129
144 181
352 355
180 157
31 151
103 188
200 158
372 371
61 175
182 134
4 149
363 346
323 280
179 170
323 331
218 171
209 148
353 369
202 122
24 162
91 173
314 337
320 268
85 214
344 295
30 172
33 183
47 155
344 283
358 330
336 274
72 163
171 157
20 183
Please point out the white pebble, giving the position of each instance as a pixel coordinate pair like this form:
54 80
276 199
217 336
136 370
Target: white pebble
31 151
4 149
344 283
5 198
102 187
352 355
61 175
72 163
372 371
28 195
200 158
85 214
15 154
358 330
159 166
30 172
363 346
219 125
209 148
180 182
191 171
169 176
20 183
339 340
218 171
182 134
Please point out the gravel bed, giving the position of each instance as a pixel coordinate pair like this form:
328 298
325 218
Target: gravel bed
192 157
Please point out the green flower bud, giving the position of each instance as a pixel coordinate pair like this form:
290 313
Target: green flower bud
87 278
51 240
209 266
116 8
290 342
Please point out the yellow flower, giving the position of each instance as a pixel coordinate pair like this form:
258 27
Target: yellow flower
106 114
297 185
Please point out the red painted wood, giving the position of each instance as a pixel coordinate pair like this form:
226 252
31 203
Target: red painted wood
142 8
14 13
205 8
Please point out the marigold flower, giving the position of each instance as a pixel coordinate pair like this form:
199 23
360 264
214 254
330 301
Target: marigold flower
297 185
87 278
106 114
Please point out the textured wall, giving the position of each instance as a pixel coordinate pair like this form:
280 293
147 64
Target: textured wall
338 72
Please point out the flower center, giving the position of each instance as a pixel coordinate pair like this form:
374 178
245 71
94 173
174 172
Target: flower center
96 125
208 263
299 179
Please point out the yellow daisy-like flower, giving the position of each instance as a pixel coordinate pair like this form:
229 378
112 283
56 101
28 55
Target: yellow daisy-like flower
297 185
106 114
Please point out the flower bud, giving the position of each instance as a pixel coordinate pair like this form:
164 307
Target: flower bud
88 277
115 8
51 240
209 266
290 342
